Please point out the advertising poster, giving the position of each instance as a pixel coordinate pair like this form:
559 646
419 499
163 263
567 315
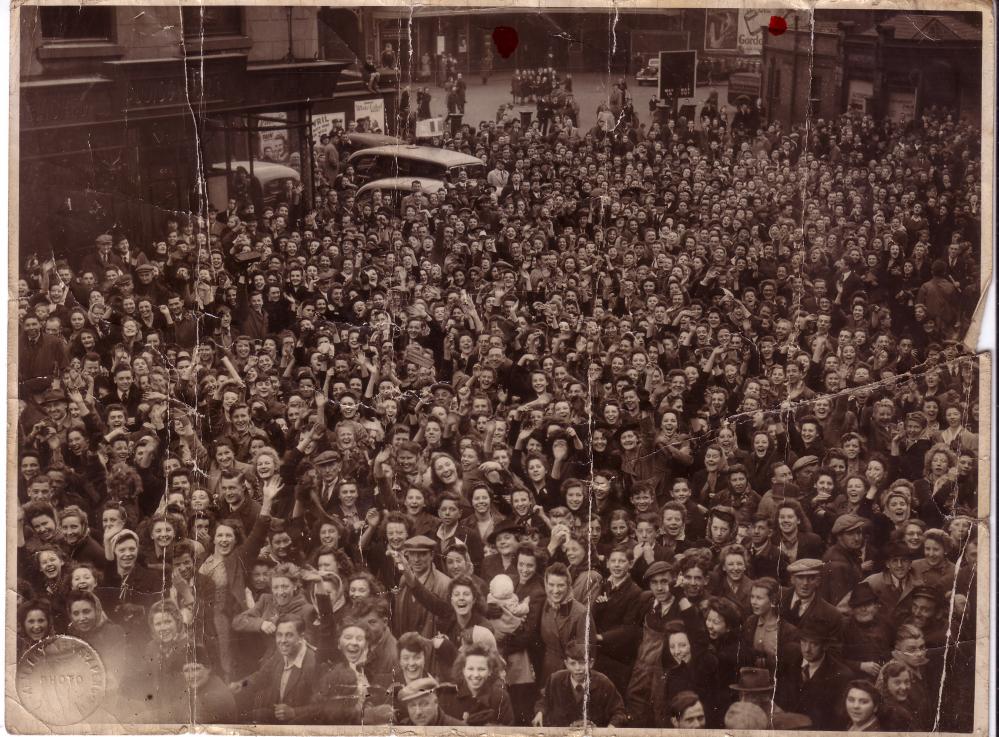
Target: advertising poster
273 139
370 115
324 123
721 30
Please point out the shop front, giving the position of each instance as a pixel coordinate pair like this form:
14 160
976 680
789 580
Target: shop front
146 139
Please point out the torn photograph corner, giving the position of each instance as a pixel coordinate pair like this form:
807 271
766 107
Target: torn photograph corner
448 369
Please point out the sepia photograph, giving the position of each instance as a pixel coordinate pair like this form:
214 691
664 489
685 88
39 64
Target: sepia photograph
496 368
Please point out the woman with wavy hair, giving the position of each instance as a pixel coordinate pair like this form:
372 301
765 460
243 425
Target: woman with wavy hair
899 712
34 624
482 698
936 495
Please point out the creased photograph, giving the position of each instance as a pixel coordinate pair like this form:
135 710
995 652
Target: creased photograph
441 368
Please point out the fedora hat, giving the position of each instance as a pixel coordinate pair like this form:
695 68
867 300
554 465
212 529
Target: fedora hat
753 679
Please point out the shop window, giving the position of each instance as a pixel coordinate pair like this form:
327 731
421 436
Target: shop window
212 20
77 23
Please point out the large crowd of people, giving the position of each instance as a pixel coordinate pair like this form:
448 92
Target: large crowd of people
664 423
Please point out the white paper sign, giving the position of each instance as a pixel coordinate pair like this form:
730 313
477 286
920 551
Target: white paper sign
373 111
430 128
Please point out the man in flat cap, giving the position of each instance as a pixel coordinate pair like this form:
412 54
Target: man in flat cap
419 698
803 604
665 607
408 614
925 608
845 559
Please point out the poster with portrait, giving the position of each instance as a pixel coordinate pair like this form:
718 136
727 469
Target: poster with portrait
272 137
370 115
721 29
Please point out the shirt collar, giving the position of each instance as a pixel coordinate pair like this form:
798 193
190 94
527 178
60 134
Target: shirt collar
297 661
812 667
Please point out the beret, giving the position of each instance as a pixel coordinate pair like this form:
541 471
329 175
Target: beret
862 595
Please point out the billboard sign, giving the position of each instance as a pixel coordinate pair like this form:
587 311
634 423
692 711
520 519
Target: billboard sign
721 29
677 76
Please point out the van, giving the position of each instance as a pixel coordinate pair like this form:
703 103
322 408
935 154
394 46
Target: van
272 178
384 162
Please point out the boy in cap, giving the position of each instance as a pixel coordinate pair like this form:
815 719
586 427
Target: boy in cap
206 696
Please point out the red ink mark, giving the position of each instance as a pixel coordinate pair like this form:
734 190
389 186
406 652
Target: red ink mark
777 25
505 39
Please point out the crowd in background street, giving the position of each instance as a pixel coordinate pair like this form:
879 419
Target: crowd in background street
673 413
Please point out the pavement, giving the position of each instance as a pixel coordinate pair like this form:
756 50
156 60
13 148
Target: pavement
590 88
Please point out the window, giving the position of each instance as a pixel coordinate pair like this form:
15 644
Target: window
77 23
815 96
212 20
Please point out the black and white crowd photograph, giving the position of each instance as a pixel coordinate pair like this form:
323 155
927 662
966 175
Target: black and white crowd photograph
398 367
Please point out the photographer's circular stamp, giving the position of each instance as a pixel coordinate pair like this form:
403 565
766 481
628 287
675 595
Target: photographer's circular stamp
61 680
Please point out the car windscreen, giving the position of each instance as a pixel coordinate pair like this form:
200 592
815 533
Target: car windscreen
474 171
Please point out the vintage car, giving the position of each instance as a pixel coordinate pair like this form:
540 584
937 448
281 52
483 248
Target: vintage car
649 74
384 162
393 189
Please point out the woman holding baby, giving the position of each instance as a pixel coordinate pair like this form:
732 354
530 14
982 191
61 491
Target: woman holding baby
461 616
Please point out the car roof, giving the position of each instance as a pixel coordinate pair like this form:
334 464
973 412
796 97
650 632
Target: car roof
373 139
403 184
265 171
442 156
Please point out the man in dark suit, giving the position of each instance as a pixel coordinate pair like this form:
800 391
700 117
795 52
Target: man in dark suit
814 685
802 604
844 560
617 614
285 681
125 393
328 472
40 356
